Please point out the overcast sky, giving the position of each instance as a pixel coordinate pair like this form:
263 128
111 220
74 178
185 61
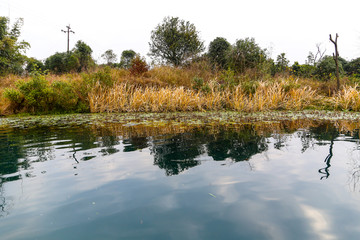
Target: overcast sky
293 27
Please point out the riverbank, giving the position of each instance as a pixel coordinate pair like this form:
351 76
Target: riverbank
165 89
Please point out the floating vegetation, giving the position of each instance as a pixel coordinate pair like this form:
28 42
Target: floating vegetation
180 119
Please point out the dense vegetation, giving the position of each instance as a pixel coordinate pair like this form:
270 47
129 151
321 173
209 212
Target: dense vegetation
237 76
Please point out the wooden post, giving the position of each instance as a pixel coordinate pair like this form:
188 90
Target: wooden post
336 58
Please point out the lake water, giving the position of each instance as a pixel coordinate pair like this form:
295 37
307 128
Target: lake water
282 180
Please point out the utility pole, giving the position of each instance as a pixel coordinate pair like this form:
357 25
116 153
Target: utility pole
68 31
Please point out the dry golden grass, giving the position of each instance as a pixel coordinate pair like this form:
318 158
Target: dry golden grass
125 97
348 98
271 96
167 89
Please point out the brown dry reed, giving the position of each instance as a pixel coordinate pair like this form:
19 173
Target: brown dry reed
124 97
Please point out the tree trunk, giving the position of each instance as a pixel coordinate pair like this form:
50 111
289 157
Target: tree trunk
336 58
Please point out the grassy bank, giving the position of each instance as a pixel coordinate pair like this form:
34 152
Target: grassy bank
167 89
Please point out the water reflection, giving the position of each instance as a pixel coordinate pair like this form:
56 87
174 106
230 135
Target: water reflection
285 188
174 150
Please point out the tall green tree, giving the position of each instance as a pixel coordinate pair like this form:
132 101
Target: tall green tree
11 49
282 63
246 54
126 57
175 41
109 56
218 49
83 53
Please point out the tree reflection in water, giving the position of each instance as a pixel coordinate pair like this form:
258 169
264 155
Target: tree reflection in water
177 153
323 134
174 149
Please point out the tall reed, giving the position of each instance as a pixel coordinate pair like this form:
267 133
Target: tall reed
348 98
125 97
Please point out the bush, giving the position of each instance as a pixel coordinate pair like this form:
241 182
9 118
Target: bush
38 96
198 84
13 95
303 70
65 98
103 77
138 66
34 65
37 93
228 79
249 87
15 98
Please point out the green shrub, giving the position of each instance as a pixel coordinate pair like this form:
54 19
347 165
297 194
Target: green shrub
228 79
103 77
290 84
197 83
15 98
13 95
249 87
38 96
64 97
37 93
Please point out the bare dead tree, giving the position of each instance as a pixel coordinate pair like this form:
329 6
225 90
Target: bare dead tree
319 53
314 59
336 58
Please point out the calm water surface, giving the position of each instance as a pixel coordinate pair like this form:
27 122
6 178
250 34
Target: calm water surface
251 181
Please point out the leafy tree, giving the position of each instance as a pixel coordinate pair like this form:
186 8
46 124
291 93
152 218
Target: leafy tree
218 49
34 64
55 62
83 53
246 54
327 68
353 67
79 59
175 41
343 62
62 62
282 62
109 56
303 70
126 57
11 49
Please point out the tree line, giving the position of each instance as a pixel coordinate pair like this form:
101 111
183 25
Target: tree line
173 42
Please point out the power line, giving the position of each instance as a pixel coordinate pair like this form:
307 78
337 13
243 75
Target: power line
68 31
